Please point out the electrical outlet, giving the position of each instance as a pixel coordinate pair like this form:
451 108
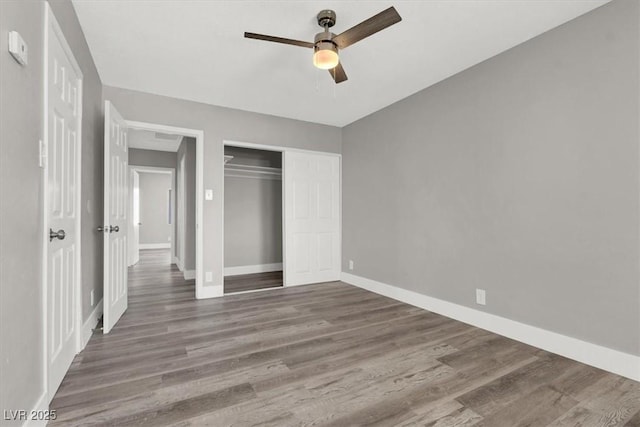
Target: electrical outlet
481 297
208 276
350 264
93 301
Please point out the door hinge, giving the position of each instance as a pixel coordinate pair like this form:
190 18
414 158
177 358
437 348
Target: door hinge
42 159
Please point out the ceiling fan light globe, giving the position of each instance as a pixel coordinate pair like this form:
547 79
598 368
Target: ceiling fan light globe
326 58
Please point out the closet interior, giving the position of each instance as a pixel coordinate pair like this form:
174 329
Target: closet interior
252 219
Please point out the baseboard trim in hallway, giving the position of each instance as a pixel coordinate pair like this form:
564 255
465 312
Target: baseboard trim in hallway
40 407
591 354
90 324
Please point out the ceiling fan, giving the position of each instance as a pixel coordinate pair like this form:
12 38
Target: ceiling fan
326 44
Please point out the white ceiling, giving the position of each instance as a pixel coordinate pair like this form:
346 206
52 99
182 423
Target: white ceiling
196 50
147 140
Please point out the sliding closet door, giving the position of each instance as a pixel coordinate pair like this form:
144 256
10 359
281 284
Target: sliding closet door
312 218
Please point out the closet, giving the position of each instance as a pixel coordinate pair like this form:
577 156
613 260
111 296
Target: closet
253 249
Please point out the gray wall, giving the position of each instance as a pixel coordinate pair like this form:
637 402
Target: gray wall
187 237
152 158
20 213
154 208
21 126
221 124
518 176
252 212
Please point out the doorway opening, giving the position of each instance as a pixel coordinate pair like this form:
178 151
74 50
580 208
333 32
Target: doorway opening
253 219
162 181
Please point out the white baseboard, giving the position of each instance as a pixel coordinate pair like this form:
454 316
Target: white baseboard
154 246
90 324
624 364
174 260
189 274
251 269
204 292
41 406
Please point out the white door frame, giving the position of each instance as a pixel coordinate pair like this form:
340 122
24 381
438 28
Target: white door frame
50 23
133 203
180 211
199 137
282 149
161 170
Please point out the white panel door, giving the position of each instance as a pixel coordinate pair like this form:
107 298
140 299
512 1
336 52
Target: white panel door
134 218
312 218
64 87
116 189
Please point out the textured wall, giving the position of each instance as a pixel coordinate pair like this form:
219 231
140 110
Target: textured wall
187 236
152 158
518 176
154 208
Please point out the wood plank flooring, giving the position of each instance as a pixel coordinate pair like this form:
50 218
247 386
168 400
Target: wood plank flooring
252 282
326 354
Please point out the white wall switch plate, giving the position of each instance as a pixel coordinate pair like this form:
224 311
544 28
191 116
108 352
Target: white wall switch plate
350 264
481 297
208 194
92 299
18 48
208 276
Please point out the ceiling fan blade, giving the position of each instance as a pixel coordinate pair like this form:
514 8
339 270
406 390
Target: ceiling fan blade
278 40
338 73
376 23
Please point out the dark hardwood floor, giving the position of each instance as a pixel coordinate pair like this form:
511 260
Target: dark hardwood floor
326 354
252 282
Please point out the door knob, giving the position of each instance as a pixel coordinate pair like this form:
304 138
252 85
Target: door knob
113 229
60 234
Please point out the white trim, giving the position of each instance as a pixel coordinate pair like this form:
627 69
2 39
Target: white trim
210 292
199 136
241 144
620 363
41 406
251 269
189 274
51 23
174 260
152 169
90 324
154 246
251 291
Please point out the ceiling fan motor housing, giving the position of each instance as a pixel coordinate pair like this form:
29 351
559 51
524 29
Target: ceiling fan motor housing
324 41
326 18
